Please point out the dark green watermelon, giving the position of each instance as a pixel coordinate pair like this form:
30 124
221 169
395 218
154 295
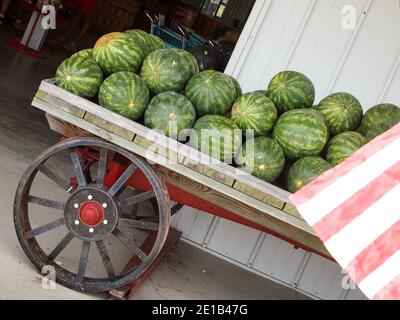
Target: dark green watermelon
190 60
80 75
301 133
343 146
124 93
165 70
264 92
238 88
85 53
118 52
304 171
291 90
142 38
262 157
254 111
211 92
170 112
342 111
156 42
216 136
379 119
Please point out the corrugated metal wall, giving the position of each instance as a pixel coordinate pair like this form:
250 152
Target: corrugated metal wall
307 36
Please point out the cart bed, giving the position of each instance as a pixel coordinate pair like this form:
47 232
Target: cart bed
218 183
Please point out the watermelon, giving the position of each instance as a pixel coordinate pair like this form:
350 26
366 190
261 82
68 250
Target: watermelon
79 75
190 60
304 171
262 157
379 119
264 92
254 111
211 92
343 146
165 70
142 38
124 93
291 90
170 112
238 88
85 53
301 133
342 111
218 136
118 52
156 42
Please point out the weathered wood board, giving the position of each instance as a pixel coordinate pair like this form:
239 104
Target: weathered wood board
207 178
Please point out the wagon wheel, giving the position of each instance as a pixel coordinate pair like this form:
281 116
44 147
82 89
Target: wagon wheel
90 215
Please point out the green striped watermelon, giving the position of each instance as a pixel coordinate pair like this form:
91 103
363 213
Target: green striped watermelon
379 119
264 92
142 38
124 93
165 70
262 157
304 171
156 42
211 92
170 112
85 53
343 146
216 136
291 90
238 88
254 111
118 52
79 75
301 133
342 111
190 60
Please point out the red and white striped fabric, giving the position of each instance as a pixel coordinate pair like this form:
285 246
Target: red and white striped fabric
355 210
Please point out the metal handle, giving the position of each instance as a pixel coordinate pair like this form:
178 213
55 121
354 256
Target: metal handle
152 16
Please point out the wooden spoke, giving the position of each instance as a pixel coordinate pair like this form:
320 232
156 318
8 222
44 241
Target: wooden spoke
121 181
129 244
54 177
106 258
76 163
138 224
138 198
46 202
83 261
45 228
102 167
60 247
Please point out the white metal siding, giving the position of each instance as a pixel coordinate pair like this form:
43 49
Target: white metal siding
307 36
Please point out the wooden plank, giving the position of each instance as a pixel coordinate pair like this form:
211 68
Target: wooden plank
60 103
66 129
102 123
175 146
257 194
156 149
245 200
239 208
292 210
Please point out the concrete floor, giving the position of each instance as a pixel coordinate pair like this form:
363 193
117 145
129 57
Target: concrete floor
187 273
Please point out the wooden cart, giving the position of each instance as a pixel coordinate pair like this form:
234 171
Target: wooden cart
127 154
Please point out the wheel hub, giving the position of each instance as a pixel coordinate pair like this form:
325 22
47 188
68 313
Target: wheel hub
91 214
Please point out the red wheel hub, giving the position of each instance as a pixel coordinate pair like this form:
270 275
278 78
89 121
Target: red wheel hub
91 213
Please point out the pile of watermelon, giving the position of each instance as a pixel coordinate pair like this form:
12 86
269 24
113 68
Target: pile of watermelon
276 134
